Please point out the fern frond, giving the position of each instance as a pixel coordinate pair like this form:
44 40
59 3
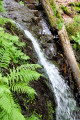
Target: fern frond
16 115
24 75
8 109
3 80
23 88
30 66
8 51
6 100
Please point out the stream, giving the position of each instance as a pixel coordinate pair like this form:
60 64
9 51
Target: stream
66 105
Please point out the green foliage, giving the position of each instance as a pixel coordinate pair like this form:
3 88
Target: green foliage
73 28
76 6
77 9
21 3
58 16
51 2
10 49
3 20
76 41
71 4
17 79
77 38
8 109
60 24
33 117
25 75
2 9
66 10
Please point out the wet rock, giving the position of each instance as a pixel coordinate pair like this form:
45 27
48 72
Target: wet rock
48 46
50 51
36 20
47 38
30 6
35 12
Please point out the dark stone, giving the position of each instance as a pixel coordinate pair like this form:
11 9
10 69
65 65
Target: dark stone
30 6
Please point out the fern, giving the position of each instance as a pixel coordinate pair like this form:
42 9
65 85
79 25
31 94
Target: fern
23 75
20 78
30 66
18 81
8 109
8 51
22 87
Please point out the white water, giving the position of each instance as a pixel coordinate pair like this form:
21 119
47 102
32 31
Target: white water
65 103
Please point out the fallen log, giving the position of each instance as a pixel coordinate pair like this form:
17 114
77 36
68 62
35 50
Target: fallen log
64 41
49 12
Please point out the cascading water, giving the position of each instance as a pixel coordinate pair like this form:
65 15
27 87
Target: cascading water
66 105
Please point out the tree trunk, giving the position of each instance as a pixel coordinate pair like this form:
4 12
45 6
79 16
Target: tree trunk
47 7
64 41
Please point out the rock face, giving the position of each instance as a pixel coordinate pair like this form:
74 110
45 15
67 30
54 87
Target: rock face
48 46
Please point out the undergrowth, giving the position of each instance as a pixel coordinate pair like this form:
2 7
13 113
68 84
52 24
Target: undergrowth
66 10
73 30
76 6
16 73
74 27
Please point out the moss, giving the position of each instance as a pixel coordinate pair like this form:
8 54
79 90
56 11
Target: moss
66 10
52 23
51 2
58 16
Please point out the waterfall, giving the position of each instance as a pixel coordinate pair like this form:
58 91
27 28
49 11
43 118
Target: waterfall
66 105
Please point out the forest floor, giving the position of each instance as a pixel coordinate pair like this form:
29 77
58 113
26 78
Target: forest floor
67 18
